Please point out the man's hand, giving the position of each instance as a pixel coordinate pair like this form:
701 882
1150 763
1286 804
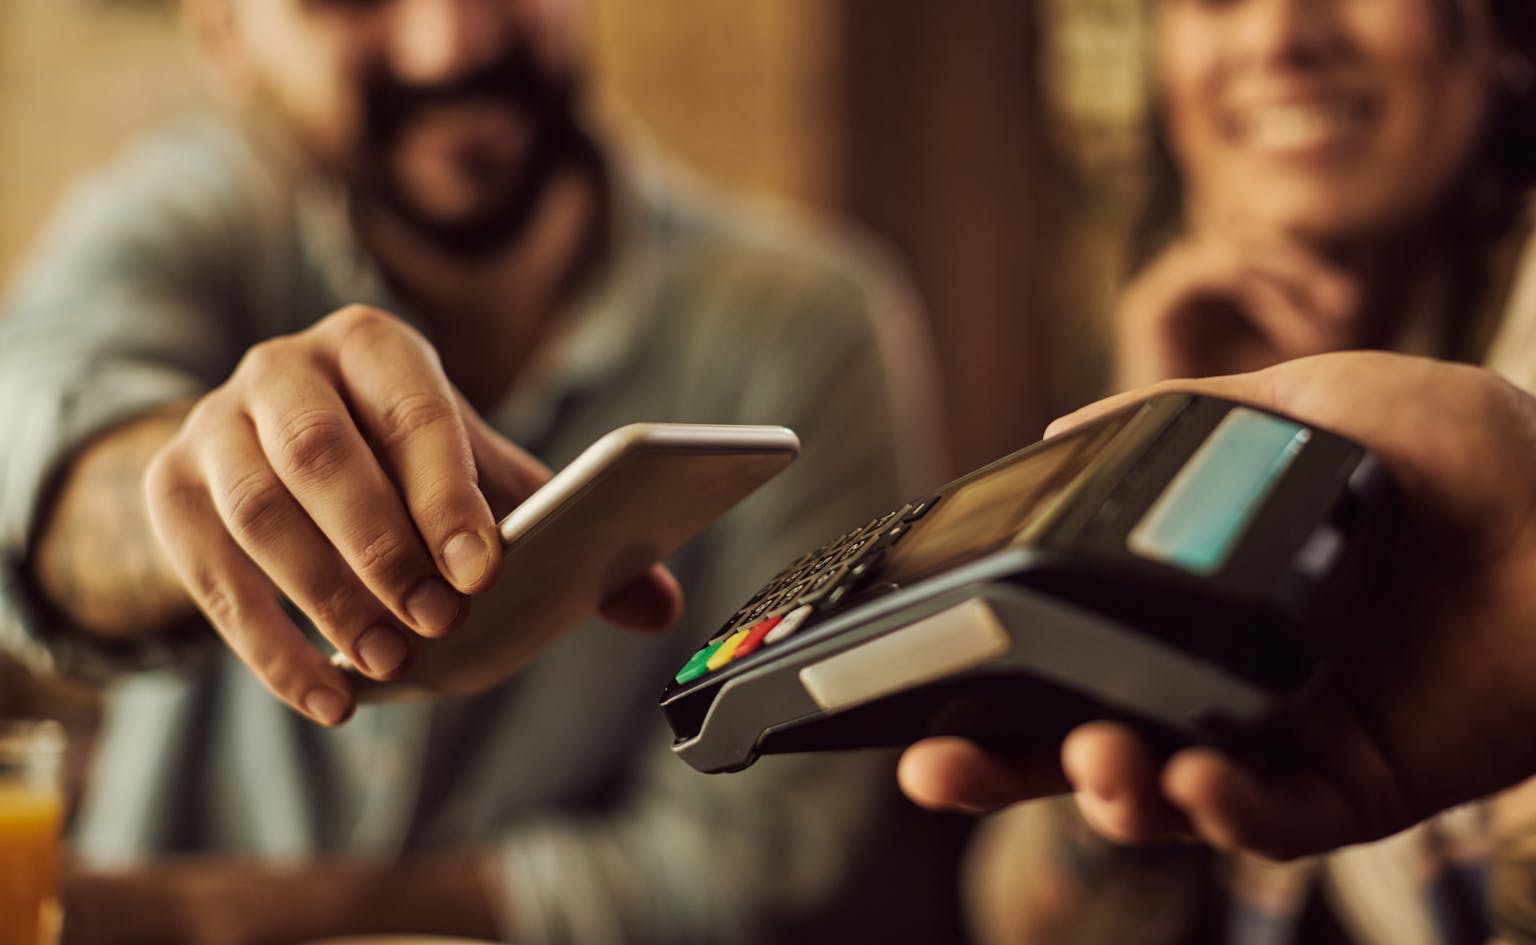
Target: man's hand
1227 299
1438 709
339 468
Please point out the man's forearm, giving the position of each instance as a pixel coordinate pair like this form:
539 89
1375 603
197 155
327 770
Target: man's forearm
96 560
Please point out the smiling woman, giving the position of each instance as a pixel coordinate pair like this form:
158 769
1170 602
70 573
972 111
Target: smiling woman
1335 175
1356 116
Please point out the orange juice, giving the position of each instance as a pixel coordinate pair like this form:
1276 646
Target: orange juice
29 864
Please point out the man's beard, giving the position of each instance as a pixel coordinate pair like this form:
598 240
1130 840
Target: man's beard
556 142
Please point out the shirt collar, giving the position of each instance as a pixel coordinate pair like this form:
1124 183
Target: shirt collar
602 331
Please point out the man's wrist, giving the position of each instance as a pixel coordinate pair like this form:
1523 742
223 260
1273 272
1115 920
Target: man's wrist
96 562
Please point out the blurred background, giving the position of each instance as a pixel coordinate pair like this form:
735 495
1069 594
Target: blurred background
969 135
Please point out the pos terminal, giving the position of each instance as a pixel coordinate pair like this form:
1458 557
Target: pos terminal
1182 564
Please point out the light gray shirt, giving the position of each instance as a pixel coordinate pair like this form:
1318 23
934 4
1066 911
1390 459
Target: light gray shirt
161 271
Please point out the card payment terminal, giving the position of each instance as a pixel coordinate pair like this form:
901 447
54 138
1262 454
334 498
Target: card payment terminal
1183 564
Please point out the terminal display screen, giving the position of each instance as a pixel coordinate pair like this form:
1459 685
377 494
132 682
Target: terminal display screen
998 504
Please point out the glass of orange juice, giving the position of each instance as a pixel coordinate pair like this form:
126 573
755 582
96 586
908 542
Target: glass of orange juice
31 817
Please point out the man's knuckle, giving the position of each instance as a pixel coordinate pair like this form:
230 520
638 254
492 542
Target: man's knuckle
255 503
214 598
313 444
168 487
358 315
209 412
383 558
364 327
450 503
282 672
263 359
339 609
409 415
366 330
162 480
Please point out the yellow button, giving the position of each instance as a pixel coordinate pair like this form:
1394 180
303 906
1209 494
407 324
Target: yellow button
727 650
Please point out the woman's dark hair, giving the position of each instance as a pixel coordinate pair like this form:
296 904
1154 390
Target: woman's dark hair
1511 144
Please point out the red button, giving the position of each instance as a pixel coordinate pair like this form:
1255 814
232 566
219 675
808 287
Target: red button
755 636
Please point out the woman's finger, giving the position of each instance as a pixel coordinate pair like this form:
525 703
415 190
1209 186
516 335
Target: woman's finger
1309 278
1232 807
1289 327
955 774
1116 780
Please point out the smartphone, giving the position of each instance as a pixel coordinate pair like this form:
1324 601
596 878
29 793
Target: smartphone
1188 565
628 501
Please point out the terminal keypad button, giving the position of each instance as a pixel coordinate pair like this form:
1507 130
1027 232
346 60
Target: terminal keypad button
725 651
919 508
755 636
821 579
792 621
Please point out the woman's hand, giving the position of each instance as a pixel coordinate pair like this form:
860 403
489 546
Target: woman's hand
1438 706
1224 301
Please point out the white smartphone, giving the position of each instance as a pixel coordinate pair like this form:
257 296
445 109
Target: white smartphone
628 501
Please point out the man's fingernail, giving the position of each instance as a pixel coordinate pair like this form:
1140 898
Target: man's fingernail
381 650
433 606
466 556
327 705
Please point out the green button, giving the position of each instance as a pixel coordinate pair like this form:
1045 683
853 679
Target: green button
699 663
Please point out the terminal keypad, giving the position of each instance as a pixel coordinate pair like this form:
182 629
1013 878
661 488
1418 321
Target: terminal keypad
818 581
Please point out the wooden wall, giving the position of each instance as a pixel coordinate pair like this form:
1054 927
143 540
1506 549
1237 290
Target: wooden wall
745 90
77 77
945 155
